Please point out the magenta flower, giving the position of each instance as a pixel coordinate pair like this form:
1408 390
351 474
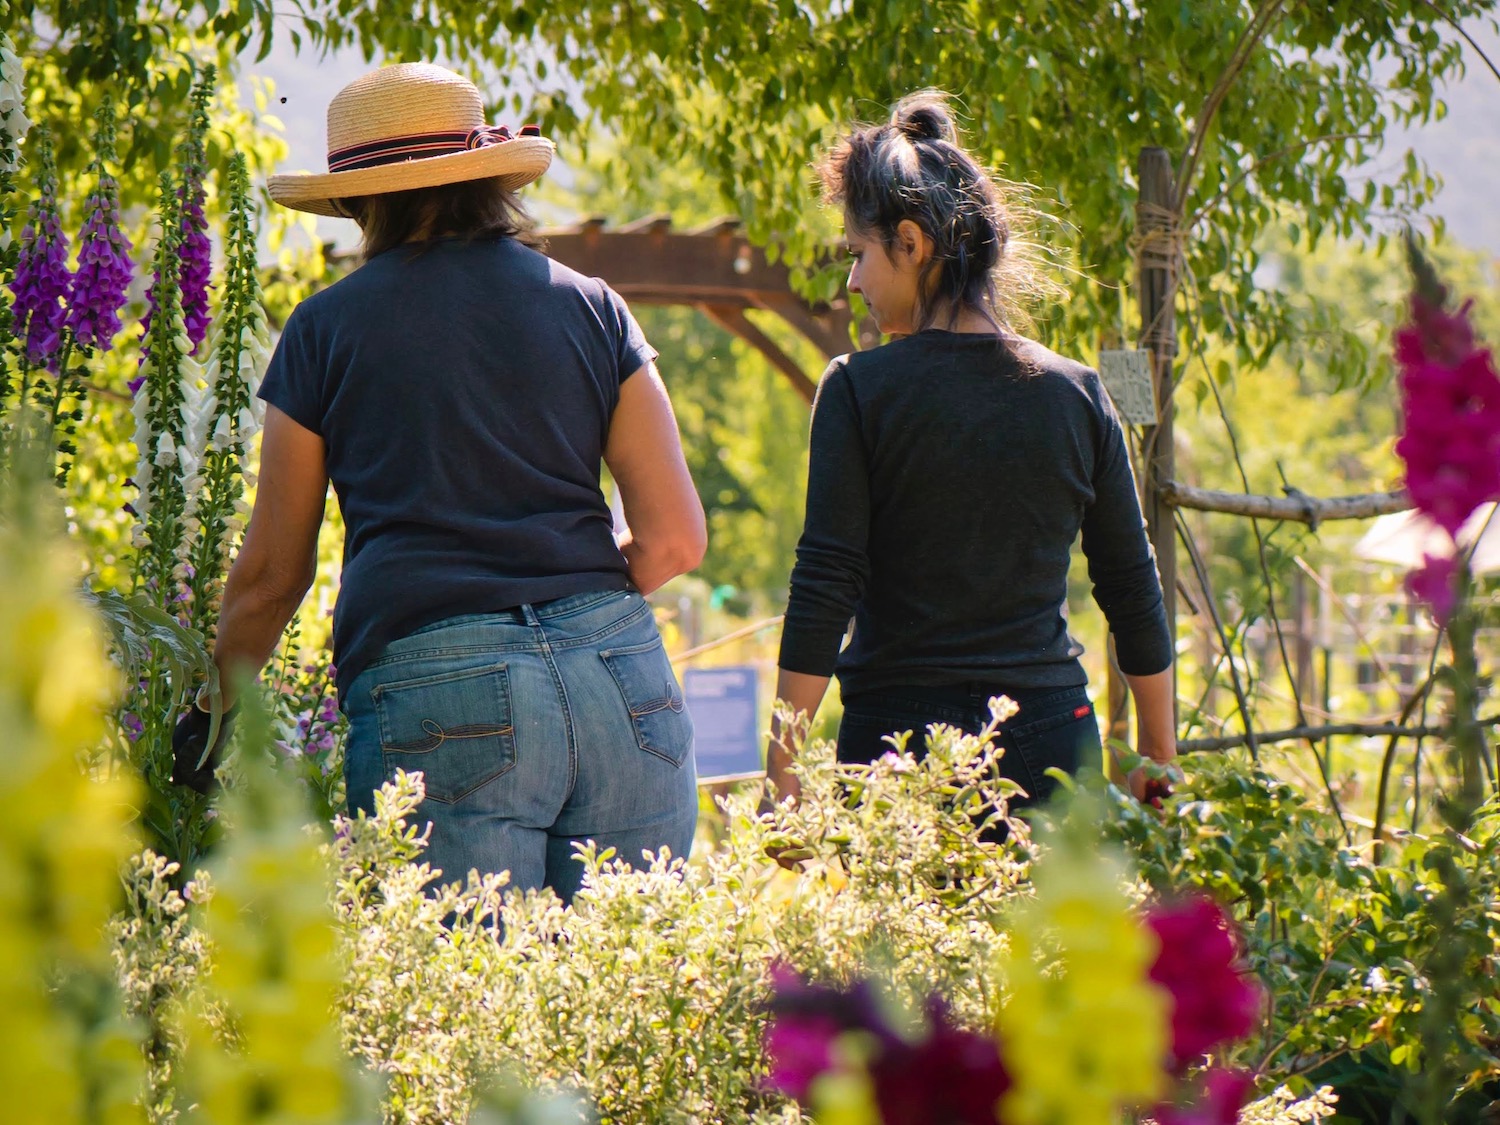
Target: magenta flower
1213 1000
805 1020
1223 1095
1433 583
950 1076
42 283
799 1048
1450 399
195 265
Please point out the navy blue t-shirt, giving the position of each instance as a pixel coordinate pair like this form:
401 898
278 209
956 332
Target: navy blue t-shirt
464 391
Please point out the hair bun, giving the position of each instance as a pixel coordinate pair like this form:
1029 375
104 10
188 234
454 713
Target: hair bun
924 116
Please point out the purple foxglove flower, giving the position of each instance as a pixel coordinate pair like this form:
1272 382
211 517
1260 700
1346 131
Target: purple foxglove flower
42 282
197 263
103 270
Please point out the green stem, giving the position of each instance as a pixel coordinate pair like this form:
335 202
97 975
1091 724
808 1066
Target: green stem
1467 739
62 378
1447 967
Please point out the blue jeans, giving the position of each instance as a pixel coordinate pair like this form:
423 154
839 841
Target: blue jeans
535 729
1054 728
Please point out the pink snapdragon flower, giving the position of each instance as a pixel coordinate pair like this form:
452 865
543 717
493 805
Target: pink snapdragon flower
950 1075
1214 1000
1450 440
1434 583
1223 1095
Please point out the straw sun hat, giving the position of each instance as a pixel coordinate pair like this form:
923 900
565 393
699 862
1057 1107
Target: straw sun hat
411 125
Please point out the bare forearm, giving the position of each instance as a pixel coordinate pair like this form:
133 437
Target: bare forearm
1155 715
251 621
803 693
653 564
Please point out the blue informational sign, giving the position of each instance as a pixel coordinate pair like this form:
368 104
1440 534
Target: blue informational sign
724 704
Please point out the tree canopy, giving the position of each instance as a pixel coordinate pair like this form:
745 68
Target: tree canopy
1273 111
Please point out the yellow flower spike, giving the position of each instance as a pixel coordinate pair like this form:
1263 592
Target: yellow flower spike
62 839
844 1097
1077 963
276 965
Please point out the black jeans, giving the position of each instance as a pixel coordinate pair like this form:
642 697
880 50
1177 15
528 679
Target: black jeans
1054 728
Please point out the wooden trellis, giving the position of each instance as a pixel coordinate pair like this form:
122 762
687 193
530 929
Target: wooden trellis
715 269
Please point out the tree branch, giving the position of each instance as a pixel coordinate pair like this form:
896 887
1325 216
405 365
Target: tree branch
1296 505
1260 24
1469 39
1292 734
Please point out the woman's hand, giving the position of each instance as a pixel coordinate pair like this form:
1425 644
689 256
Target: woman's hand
1156 735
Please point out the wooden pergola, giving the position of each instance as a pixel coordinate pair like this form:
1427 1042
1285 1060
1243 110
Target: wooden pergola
715 269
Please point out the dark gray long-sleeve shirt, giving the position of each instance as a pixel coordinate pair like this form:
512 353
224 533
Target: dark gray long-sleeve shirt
949 476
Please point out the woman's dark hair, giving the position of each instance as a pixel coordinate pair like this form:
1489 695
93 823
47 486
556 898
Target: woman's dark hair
913 167
474 209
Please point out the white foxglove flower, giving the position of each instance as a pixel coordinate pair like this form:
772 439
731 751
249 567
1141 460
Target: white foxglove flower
14 123
166 451
223 437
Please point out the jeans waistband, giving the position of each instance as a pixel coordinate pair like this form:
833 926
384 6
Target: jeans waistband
969 694
531 613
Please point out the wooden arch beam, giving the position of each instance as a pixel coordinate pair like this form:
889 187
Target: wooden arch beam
734 320
714 269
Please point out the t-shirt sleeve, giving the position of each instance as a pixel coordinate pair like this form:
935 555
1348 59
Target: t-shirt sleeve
833 561
294 379
1122 565
632 352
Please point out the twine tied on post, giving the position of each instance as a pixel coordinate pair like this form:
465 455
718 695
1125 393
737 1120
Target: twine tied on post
1157 244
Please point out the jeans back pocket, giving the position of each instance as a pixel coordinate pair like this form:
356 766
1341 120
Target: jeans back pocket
455 727
653 697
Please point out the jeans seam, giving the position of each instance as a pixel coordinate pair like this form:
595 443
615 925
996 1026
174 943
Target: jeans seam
545 648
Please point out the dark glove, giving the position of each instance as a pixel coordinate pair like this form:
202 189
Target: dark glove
189 743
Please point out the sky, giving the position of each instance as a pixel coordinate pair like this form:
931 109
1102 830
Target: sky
1463 149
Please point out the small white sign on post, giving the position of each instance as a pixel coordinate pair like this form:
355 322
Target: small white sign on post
1127 378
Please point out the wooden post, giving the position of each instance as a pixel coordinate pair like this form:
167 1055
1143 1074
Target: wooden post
1156 257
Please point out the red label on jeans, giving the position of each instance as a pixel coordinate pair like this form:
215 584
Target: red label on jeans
1080 712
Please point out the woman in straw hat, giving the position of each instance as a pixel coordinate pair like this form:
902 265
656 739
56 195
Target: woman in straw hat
460 390
950 473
